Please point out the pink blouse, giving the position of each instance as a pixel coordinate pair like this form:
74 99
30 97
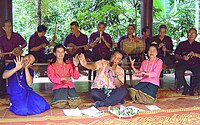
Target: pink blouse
56 71
104 78
154 69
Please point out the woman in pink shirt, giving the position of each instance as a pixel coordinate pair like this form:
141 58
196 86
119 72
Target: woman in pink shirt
60 73
145 91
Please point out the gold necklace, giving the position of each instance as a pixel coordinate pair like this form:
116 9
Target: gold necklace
19 80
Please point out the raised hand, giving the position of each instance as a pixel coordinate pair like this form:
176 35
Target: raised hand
132 62
28 65
82 59
18 62
76 60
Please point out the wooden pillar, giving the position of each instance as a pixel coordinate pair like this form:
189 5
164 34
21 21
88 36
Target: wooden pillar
5 12
147 14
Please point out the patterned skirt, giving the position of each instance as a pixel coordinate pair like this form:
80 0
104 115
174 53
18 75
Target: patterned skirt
65 98
144 92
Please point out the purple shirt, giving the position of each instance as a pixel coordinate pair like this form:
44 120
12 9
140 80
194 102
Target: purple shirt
101 48
147 44
35 41
185 48
81 40
7 45
167 41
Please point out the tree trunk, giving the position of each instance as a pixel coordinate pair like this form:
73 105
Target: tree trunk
39 12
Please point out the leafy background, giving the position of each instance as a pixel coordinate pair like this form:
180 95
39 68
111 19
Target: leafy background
178 15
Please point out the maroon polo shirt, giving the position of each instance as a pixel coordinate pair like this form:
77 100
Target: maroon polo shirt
167 41
81 40
35 41
184 48
7 45
101 48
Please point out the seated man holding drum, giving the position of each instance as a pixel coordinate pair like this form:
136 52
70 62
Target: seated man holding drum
131 45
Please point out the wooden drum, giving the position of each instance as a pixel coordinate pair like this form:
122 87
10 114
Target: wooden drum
134 46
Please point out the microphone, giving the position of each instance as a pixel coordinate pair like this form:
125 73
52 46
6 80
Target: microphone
111 64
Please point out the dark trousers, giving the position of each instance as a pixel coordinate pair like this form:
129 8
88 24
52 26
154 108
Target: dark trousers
168 60
64 94
2 81
179 72
116 96
42 57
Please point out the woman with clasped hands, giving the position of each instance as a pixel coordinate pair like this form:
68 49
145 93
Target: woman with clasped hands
60 72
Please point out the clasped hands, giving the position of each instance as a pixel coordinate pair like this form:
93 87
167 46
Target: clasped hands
162 45
190 55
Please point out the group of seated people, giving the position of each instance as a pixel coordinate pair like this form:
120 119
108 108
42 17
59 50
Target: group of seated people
108 87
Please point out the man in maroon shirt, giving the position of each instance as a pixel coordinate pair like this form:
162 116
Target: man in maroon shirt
38 42
103 43
9 41
130 34
76 42
145 36
165 45
188 54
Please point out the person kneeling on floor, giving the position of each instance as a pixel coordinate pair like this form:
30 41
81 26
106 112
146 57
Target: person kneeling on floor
23 100
60 72
145 91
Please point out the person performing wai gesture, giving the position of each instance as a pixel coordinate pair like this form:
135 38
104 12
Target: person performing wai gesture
23 100
60 73
188 54
38 43
107 89
145 91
